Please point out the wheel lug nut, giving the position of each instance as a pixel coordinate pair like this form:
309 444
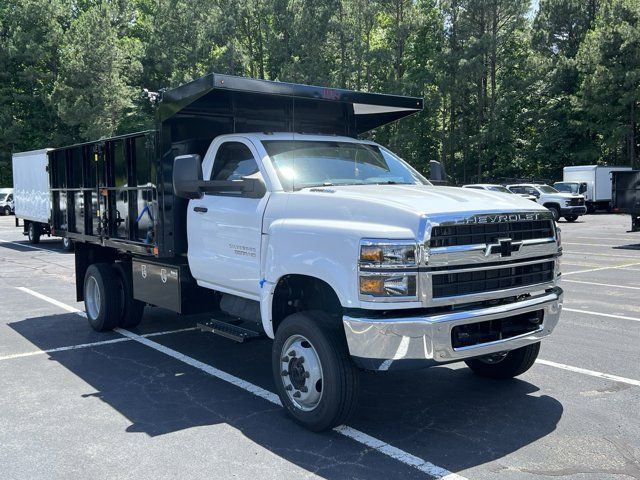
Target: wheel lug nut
292 353
297 394
288 387
301 360
306 374
285 373
285 359
304 389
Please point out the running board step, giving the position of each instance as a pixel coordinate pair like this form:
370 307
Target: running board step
228 330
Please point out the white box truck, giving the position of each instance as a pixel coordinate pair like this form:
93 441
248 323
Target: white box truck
593 181
32 196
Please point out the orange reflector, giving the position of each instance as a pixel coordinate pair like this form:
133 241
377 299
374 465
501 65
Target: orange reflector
372 285
155 251
371 254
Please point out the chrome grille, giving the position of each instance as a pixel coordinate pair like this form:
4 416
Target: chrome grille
451 284
474 234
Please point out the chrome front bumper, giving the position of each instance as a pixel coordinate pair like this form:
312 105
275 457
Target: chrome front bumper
381 344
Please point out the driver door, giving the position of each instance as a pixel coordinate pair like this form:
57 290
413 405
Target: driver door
225 228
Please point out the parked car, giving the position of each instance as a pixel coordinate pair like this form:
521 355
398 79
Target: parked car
494 187
6 201
592 181
560 204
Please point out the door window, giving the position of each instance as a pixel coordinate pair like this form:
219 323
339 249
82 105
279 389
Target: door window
233 161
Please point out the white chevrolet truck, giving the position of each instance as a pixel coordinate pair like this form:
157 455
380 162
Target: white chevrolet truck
255 205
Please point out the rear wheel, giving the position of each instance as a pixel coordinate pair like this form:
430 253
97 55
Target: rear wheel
571 218
131 310
507 365
33 233
101 299
315 378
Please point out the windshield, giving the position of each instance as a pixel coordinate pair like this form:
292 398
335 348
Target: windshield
547 189
2 197
567 187
498 188
302 164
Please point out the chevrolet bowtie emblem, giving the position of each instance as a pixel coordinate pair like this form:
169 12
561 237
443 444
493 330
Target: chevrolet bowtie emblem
504 246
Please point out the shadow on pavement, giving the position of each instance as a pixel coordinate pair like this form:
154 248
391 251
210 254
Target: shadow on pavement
53 245
446 416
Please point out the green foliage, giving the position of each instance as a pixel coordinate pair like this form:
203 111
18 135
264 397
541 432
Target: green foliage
507 93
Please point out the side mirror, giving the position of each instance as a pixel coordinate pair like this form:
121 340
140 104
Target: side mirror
187 176
253 187
436 173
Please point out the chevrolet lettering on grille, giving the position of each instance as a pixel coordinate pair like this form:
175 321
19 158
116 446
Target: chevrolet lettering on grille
504 246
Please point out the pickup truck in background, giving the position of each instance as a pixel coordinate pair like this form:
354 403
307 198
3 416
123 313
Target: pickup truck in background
592 181
256 204
560 204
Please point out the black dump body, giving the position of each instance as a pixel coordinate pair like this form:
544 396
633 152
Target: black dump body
626 195
118 192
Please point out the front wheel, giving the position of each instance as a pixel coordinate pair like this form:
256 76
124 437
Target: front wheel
508 365
571 218
315 378
555 212
7 211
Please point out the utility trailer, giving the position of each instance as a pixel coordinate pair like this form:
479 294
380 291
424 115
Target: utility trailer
626 195
32 196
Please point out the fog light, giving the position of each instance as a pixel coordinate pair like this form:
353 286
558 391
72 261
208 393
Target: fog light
388 285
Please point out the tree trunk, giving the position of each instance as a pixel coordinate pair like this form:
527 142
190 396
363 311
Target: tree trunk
632 136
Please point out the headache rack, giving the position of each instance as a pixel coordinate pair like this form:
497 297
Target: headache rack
118 192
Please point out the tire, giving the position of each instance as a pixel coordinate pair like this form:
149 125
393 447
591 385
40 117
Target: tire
33 233
7 211
591 208
514 363
555 212
571 218
101 299
131 310
326 347
67 244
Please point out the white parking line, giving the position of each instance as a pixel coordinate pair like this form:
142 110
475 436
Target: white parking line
564 274
592 373
601 284
360 437
25 246
590 254
598 314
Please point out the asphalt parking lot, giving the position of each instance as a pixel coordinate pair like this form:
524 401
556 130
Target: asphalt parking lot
166 401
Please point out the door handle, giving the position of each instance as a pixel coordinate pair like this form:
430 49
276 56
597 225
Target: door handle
200 209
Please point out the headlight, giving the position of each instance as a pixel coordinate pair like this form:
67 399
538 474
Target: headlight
396 257
391 285
387 253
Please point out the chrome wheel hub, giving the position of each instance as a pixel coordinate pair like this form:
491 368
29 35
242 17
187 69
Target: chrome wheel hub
301 372
92 297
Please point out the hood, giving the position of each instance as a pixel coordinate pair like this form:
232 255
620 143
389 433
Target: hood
566 195
426 200
386 211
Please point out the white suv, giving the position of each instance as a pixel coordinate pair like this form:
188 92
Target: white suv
494 187
561 204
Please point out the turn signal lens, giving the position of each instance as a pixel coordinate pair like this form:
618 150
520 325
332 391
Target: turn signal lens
371 254
372 285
